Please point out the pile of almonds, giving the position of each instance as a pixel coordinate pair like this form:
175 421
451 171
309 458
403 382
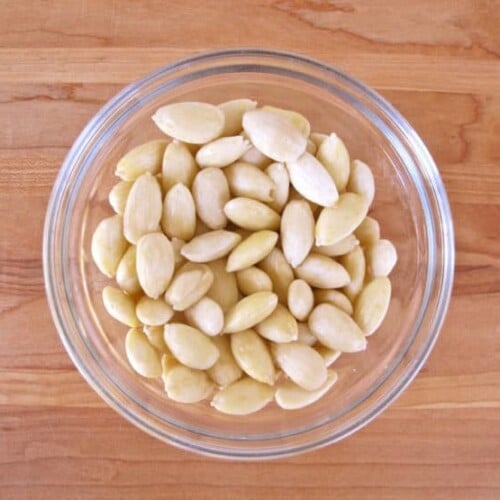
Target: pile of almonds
244 257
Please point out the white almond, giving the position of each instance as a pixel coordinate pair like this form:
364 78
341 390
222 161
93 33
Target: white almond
155 263
298 120
311 179
354 263
193 122
191 282
251 214
381 257
108 245
178 166
336 329
206 315
126 274
279 194
280 326
333 154
249 181
368 232
141 355
305 335
322 272
274 135
334 297
179 213
301 363
297 231
342 247
243 397
211 193
251 250
372 305
222 152
119 306
224 289
249 311
253 356
336 223
118 196
153 312
191 347
361 181
143 208
144 158
225 371
253 280
233 114
210 246
329 355
279 270
186 385
290 396
300 299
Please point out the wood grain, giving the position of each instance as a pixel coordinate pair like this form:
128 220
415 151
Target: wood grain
437 61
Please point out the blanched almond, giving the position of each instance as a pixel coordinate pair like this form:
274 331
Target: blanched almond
297 231
206 315
155 263
274 135
361 181
298 120
119 306
336 329
210 246
251 214
233 114
290 396
278 269
118 196
251 250
279 326
178 166
372 305
179 214
253 280
279 194
224 289
141 354
354 263
191 282
311 179
368 232
305 335
144 158
381 257
143 208
249 311
108 245
222 152
254 157
191 347
300 299
249 181
334 297
211 193
225 371
155 338
301 363
340 248
333 154
329 355
153 312
126 274
253 356
193 122
243 397
335 223
322 272
186 385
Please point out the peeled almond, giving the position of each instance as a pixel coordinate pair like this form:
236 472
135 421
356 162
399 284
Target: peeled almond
336 223
301 363
243 397
322 272
334 297
361 181
333 154
191 282
225 371
153 312
305 335
253 280
155 337
253 356
186 385
141 355
126 274
210 246
278 173
290 396
298 120
193 122
249 311
279 270
249 181
372 305
276 136
118 196
251 250
222 152
329 355
381 257
178 166
297 231
119 306
311 179
108 245
155 263
251 214
206 315
233 114
224 289
300 299
368 232
280 326
336 329
144 158
179 214
342 247
354 263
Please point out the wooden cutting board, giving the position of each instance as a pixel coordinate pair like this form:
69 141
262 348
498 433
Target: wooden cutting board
437 61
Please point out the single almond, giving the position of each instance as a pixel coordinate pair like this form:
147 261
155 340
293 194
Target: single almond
206 315
178 166
118 196
144 158
222 152
210 246
333 154
251 214
187 385
354 263
279 270
153 312
322 272
372 304
298 120
334 297
108 245
300 299
278 173
381 257
179 213
280 326
252 280
368 232
249 181
141 355
297 232
361 181
251 250
119 306
233 113
225 371
126 273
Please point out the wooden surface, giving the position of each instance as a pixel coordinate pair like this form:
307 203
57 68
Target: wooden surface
437 61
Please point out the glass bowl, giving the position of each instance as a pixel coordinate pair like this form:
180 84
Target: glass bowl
410 204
